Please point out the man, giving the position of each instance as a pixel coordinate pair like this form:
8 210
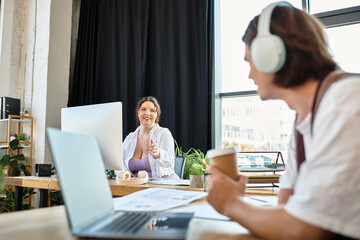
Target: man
319 198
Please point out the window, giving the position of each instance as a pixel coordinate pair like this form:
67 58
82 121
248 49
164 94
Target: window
241 118
344 44
234 18
317 6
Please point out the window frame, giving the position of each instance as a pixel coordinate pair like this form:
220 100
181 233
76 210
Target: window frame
334 18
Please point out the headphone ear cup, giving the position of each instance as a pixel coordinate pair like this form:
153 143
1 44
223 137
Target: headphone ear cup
268 53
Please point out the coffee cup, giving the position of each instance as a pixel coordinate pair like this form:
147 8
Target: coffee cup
225 160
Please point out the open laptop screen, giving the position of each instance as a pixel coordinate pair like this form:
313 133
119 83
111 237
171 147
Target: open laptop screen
84 193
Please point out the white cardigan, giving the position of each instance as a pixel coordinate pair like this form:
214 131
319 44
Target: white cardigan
163 166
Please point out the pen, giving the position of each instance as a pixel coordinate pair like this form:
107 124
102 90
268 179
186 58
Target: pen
204 162
256 199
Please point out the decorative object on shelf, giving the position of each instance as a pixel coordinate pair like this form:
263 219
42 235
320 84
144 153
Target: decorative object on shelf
13 136
197 175
22 137
26 112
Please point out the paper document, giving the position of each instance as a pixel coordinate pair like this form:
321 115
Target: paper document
156 199
207 211
176 182
202 211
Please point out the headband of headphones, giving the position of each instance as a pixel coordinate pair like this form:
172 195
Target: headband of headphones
268 50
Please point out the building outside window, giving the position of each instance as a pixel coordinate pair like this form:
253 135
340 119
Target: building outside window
241 118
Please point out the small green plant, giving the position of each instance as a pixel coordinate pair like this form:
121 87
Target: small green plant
110 174
22 136
197 169
192 156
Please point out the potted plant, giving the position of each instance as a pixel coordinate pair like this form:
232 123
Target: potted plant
197 175
22 137
16 163
192 156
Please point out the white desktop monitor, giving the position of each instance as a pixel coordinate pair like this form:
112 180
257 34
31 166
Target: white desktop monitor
104 121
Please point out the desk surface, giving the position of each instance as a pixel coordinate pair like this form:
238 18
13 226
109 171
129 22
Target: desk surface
116 188
51 223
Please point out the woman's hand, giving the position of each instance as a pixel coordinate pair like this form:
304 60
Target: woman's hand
154 149
224 191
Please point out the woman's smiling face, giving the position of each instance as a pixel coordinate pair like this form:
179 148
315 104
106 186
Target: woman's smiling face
147 114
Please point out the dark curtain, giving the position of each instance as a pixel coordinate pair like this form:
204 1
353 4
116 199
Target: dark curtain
128 49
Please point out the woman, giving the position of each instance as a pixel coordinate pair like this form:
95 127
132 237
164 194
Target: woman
150 147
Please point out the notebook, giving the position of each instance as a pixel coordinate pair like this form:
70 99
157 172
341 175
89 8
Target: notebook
88 199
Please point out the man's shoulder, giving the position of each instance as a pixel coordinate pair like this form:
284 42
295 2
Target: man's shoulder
349 85
345 91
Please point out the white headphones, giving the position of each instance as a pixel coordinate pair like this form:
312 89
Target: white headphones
268 50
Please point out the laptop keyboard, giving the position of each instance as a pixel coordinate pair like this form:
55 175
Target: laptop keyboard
128 223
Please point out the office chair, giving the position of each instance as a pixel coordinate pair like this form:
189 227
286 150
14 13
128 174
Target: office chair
179 165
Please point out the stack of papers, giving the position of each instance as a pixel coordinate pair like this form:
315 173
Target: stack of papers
202 211
208 212
176 182
161 199
156 199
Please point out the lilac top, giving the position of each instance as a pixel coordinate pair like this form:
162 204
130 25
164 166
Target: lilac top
136 165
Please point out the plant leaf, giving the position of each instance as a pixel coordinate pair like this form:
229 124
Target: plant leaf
2 178
5 160
14 143
13 163
17 148
21 157
15 172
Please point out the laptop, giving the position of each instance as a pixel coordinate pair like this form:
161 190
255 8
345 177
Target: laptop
88 200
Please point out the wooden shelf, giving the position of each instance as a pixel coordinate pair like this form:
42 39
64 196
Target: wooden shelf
18 124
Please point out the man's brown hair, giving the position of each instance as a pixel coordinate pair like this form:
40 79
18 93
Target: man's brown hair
307 54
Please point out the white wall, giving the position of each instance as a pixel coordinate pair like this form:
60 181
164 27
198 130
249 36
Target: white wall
58 63
7 12
34 61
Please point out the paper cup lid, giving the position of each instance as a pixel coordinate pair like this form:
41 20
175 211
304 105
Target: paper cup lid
219 152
